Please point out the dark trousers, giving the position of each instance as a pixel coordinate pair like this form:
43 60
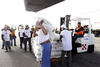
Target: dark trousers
66 59
13 38
77 36
29 43
21 41
7 45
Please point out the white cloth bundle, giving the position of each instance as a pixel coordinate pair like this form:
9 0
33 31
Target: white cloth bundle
48 26
37 49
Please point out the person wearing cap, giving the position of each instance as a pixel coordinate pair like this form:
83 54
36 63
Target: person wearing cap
44 40
21 31
79 31
6 37
66 38
27 38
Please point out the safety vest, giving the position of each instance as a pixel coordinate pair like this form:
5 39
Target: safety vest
12 33
81 32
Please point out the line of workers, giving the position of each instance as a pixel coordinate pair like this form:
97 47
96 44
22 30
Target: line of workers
9 37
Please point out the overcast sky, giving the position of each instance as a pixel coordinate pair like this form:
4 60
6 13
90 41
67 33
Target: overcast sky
13 12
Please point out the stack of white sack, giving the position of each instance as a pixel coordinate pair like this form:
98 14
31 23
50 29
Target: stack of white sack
56 47
37 49
55 51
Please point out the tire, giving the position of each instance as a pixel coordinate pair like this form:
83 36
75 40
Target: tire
90 49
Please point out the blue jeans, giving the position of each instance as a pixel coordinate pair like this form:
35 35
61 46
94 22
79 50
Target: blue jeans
46 54
13 38
7 45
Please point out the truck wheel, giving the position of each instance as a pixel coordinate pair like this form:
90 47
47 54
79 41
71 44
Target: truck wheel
90 48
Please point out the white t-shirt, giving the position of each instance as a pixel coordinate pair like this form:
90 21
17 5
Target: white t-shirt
66 40
27 33
21 31
42 37
6 35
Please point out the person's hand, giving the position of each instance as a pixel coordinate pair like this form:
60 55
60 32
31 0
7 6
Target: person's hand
41 22
77 28
35 34
58 40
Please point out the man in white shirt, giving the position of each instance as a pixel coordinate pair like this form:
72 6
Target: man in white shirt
44 40
21 31
27 38
67 45
6 37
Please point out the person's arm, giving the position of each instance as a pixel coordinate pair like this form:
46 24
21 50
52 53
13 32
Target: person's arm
77 29
31 33
61 37
19 34
81 29
10 36
34 32
2 37
43 28
24 35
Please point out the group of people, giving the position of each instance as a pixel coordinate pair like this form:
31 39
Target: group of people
65 38
8 36
25 35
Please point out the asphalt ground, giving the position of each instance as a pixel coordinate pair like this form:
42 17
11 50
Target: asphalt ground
18 58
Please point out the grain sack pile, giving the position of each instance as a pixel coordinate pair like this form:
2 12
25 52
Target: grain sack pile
55 51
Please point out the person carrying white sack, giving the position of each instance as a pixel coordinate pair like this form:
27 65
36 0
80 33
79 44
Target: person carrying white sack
44 40
66 38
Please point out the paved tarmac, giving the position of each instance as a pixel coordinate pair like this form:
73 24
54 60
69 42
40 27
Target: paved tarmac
18 58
